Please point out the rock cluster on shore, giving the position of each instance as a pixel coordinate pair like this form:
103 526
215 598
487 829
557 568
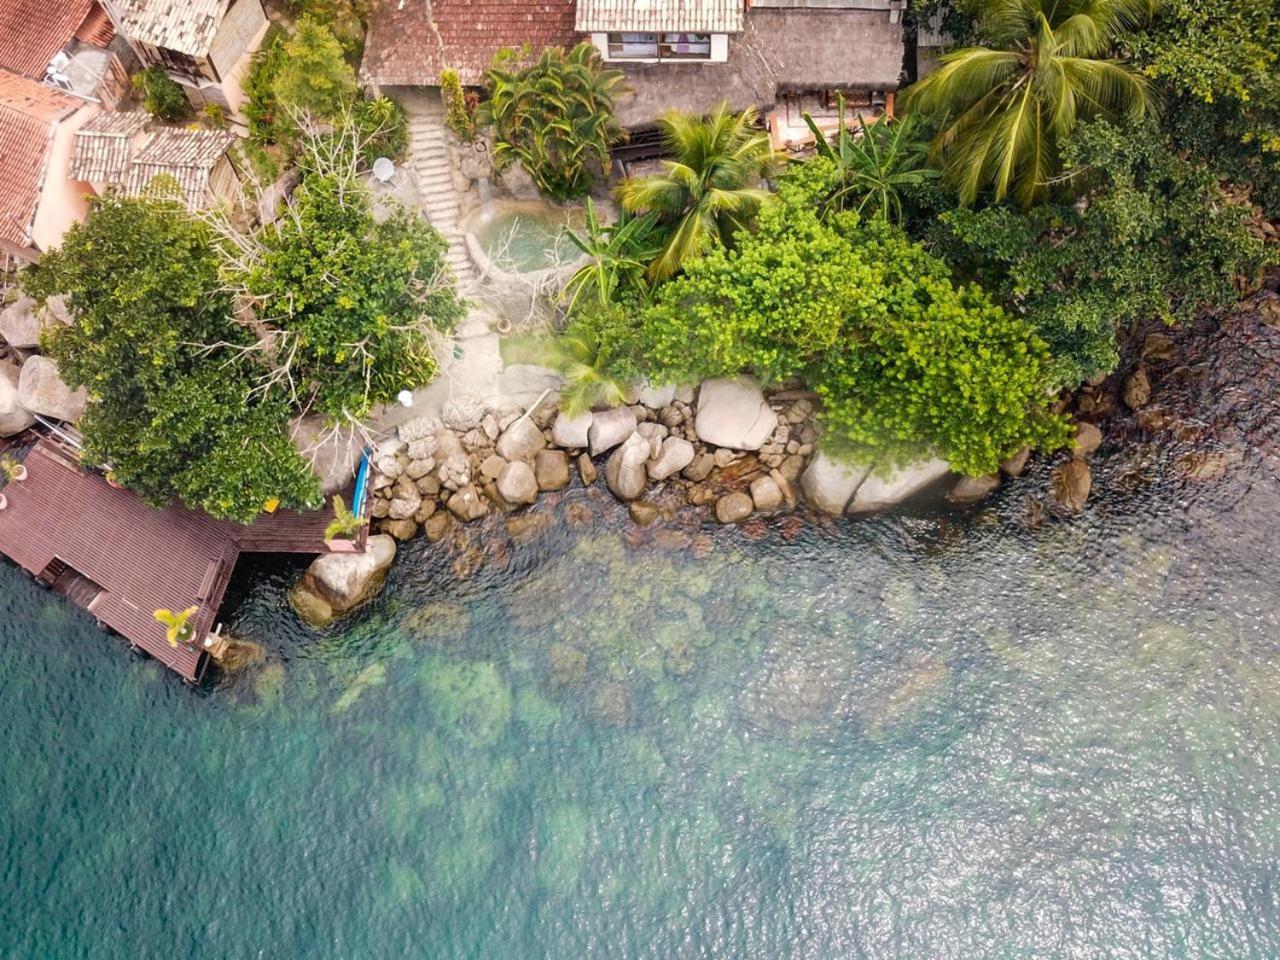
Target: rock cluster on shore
725 445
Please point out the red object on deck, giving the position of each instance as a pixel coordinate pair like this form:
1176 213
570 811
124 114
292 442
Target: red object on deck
121 560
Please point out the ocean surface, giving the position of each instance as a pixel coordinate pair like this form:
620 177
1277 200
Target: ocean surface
936 736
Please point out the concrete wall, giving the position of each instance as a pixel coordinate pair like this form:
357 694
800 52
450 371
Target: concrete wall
240 31
62 201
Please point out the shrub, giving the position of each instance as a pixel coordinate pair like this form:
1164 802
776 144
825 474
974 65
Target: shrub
555 118
267 124
382 127
906 362
161 97
314 76
457 113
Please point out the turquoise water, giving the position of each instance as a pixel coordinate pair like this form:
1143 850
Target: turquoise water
527 238
922 736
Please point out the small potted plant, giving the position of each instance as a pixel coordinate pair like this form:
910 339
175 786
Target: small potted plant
341 533
12 469
178 626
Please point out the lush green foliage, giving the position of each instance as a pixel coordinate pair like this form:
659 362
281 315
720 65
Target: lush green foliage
345 19
170 418
457 113
556 118
618 255
345 524
382 128
313 76
874 167
353 302
161 97
709 189
906 362
1219 65
1007 106
1152 237
582 355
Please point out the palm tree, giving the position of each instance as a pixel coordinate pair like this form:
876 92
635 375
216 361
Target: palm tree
708 191
874 166
178 626
345 524
579 356
1008 106
618 255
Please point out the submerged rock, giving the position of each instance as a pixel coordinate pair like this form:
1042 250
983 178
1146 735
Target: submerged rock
1070 484
733 507
1088 439
734 414
1137 389
972 489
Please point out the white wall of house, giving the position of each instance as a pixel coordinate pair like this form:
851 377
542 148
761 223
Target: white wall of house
62 201
719 51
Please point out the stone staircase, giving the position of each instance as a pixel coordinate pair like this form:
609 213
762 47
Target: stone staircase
429 149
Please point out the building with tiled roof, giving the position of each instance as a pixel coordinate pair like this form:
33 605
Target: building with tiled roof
410 41
37 128
196 160
105 146
785 57
205 45
67 43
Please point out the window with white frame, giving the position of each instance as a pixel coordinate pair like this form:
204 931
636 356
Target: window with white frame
659 46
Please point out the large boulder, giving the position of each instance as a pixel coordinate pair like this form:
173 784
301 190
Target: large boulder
20 324
342 581
551 468
828 485
517 484
14 417
609 428
878 492
41 390
521 441
675 454
624 471
656 397
733 413
570 433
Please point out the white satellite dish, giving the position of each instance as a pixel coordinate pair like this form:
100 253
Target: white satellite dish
383 170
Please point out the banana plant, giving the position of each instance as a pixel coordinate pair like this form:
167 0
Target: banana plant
345 524
873 166
178 626
619 255
12 469
579 355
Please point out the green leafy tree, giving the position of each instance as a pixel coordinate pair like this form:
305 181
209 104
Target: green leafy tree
165 367
161 97
1007 106
1153 236
709 190
346 305
873 168
1219 67
907 363
555 117
313 76
618 255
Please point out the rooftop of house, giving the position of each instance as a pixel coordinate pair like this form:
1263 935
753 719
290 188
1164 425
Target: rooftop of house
28 112
780 50
187 26
35 30
188 156
104 146
410 41
680 16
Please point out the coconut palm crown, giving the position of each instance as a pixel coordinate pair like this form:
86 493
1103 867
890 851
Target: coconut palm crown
1006 107
709 189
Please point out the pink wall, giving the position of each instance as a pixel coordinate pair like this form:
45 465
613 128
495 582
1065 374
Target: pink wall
62 201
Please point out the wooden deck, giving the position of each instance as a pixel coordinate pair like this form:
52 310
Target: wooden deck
131 559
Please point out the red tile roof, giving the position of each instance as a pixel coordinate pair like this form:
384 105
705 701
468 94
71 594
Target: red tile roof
97 27
411 41
34 30
28 111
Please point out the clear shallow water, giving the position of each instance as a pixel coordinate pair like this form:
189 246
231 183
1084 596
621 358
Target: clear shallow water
914 737
526 237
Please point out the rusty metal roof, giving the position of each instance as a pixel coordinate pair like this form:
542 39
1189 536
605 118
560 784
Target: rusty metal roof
143 559
649 16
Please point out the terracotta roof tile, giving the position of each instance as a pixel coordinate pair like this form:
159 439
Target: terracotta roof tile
683 16
187 26
28 111
104 146
34 30
411 41
96 28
